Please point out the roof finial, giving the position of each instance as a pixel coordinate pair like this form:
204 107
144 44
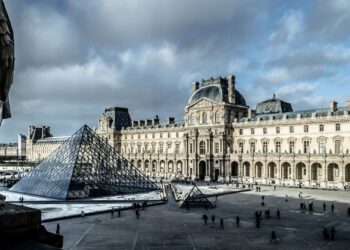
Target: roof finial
274 95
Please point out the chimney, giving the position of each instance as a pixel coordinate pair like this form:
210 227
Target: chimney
170 120
231 89
30 131
333 106
195 86
43 132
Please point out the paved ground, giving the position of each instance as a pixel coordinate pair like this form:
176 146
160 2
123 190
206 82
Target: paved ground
168 227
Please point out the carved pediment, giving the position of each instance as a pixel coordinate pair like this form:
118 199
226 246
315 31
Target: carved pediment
204 102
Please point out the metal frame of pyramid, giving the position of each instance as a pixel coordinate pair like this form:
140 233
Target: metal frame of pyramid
195 198
178 178
84 166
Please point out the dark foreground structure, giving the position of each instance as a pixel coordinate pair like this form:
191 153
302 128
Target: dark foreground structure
82 167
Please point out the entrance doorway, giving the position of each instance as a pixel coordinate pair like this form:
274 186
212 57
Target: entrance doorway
202 170
216 174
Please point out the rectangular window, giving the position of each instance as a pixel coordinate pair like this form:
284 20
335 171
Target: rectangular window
306 128
241 131
252 131
216 147
241 147
337 127
322 147
264 131
160 135
277 130
252 147
306 147
139 149
153 149
337 147
278 147
191 148
321 128
161 148
146 148
265 147
291 147
177 148
169 135
291 129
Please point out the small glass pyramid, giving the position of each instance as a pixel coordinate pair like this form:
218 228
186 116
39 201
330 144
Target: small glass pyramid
82 167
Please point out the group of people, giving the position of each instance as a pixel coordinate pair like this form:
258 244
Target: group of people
205 219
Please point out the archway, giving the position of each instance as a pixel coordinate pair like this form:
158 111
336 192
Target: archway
202 170
246 167
132 162
301 170
272 170
154 166
331 169
170 166
234 168
139 164
216 174
162 166
258 169
146 165
347 173
285 170
315 170
179 166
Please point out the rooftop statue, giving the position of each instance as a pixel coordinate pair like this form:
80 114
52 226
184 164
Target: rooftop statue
7 62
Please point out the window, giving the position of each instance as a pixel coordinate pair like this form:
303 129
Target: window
252 131
264 131
277 130
291 129
169 146
132 137
146 148
146 136
153 135
204 118
241 147
217 117
202 148
216 147
177 134
265 147
139 149
153 148
291 147
321 128
322 147
161 148
306 147
306 128
160 135
191 148
241 131
192 119
337 144
252 147
278 146
177 148
169 135
337 127
139 136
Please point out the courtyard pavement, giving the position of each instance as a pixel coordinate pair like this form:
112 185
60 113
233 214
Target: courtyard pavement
168 227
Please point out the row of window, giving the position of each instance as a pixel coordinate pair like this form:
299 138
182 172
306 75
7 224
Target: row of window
204 118
291 129
306 147
166 135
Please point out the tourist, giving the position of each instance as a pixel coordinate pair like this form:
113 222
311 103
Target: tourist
324 207
119 213
205 218
82 213
58 228
286 199
300 195
213 218
263 198
278 214
332 207
273 237
112 212
325 234
332 233
137 214
237 220
274 187
222 223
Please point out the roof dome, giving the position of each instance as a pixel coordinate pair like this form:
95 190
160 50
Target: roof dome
215 92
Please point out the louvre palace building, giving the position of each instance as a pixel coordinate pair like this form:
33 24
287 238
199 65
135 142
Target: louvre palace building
223 139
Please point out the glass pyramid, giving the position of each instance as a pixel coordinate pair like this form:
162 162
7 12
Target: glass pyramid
195 198
84 166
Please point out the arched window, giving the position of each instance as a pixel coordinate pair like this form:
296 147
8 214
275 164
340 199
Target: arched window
217 117
202 148
204 118
306 128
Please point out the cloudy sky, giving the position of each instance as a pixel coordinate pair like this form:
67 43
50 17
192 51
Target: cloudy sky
74 58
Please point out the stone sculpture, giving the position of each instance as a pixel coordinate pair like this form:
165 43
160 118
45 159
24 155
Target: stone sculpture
7 62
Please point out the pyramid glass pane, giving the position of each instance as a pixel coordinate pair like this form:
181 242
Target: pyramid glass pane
84 166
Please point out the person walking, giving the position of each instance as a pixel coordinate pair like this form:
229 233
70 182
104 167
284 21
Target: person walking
112 213
332 207
278 214
205 218
119 213
82 213
237 220
213 218
324 207
58 228
273 237
222 223
286 199
137 214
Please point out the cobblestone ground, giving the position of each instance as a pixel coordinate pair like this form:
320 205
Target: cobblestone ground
168 227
